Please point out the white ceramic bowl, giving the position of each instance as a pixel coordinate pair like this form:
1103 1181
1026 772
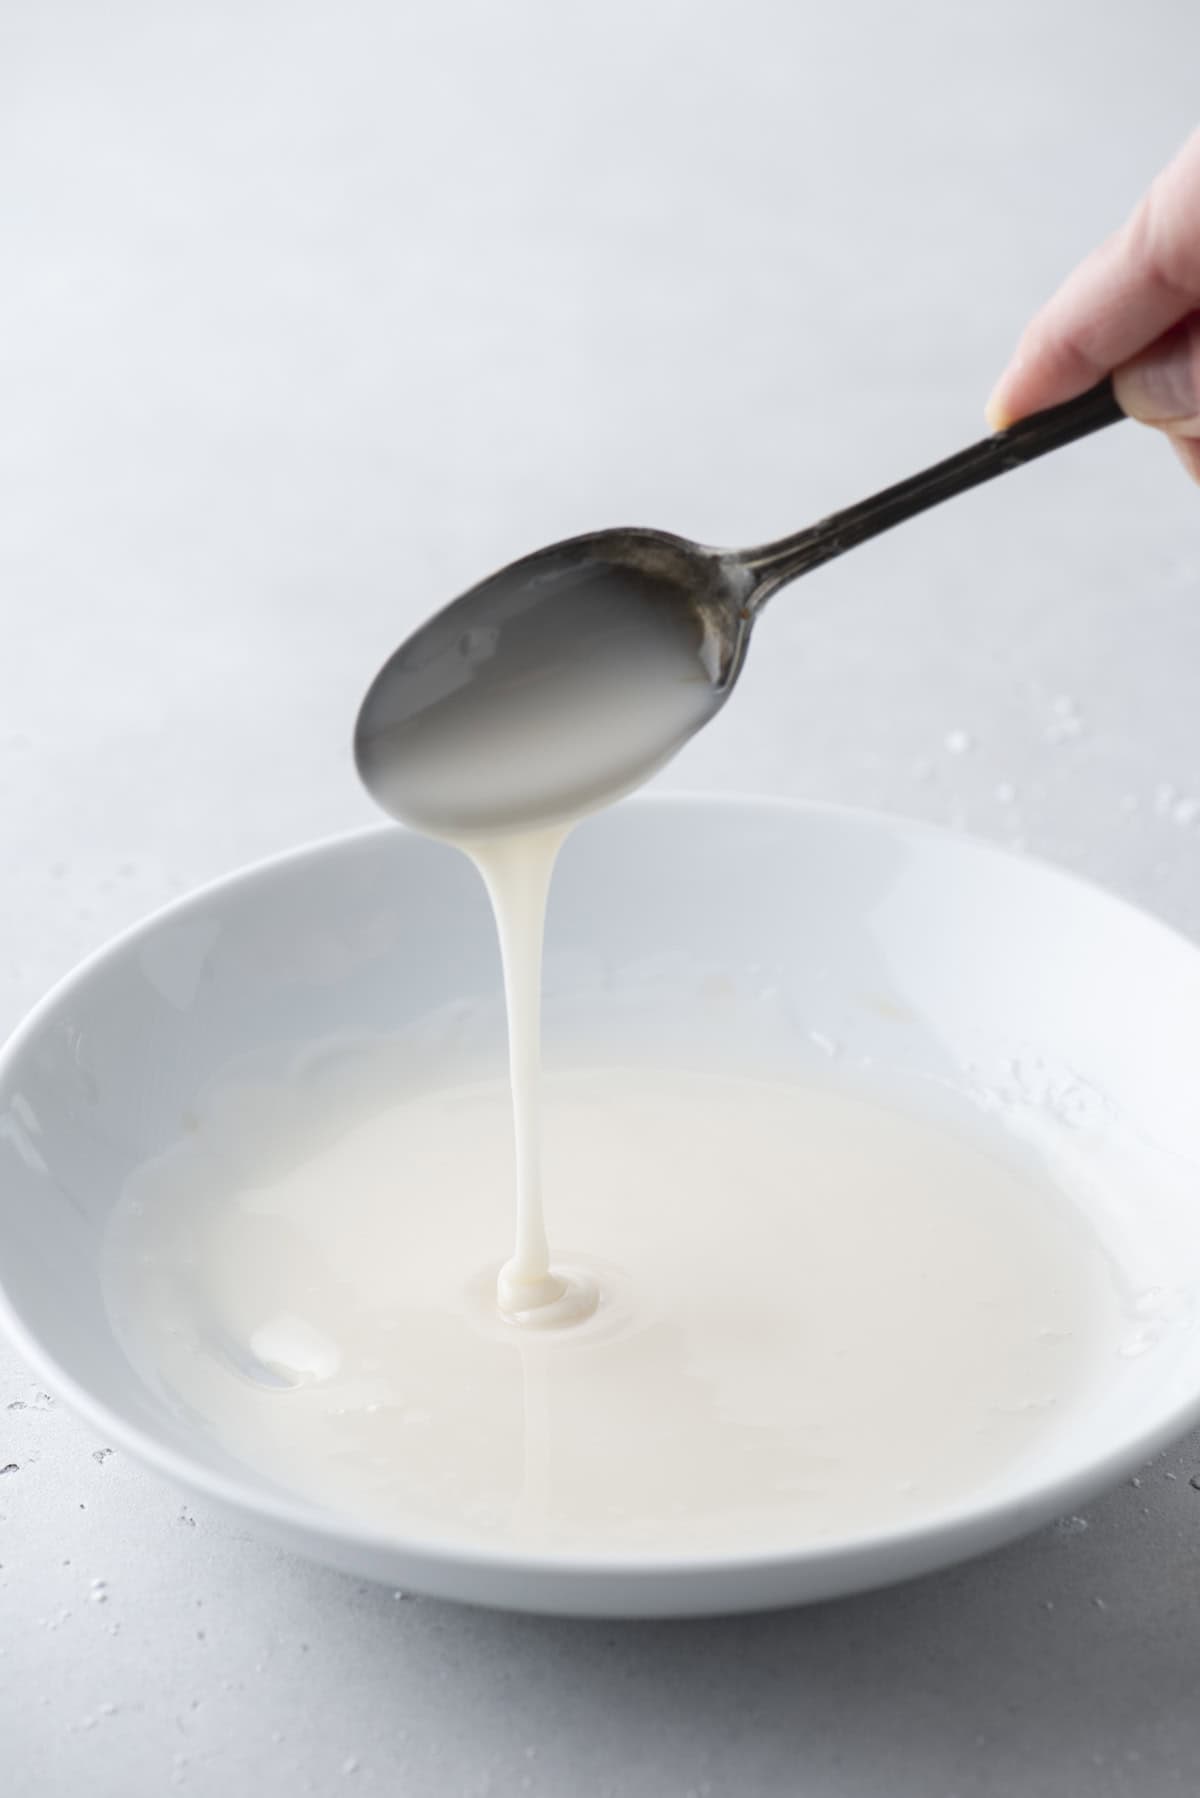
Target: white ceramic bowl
973 981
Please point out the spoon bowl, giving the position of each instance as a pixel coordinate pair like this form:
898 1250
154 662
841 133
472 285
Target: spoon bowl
571 676
557 684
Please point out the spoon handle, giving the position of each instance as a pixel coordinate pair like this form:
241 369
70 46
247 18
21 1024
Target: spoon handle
777 563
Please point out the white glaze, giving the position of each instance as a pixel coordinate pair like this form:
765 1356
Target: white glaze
517 871
819 1316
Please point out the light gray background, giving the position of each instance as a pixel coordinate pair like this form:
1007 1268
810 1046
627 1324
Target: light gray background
312 314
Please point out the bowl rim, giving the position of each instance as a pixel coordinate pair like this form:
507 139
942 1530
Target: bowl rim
989 1519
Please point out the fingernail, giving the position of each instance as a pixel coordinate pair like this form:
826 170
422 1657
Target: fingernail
1159 386
995 412
998 411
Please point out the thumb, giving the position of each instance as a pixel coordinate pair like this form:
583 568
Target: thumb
1161 386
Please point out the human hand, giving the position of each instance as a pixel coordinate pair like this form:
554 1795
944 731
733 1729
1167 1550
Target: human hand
1132 310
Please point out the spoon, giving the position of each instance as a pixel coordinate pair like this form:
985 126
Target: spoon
574 674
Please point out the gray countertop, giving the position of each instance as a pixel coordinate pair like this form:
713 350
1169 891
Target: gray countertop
311 314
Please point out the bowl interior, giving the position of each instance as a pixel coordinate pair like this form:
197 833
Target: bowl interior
843 948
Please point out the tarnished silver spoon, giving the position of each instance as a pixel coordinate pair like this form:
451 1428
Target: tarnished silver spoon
572 675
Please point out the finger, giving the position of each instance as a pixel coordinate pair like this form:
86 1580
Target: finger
1138 284
1188 451
1162 385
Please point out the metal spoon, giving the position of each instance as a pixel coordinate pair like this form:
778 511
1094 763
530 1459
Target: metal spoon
571 676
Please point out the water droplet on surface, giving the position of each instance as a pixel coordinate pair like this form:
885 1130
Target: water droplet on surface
1071 1526
1065 721
1194 1482
958 742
